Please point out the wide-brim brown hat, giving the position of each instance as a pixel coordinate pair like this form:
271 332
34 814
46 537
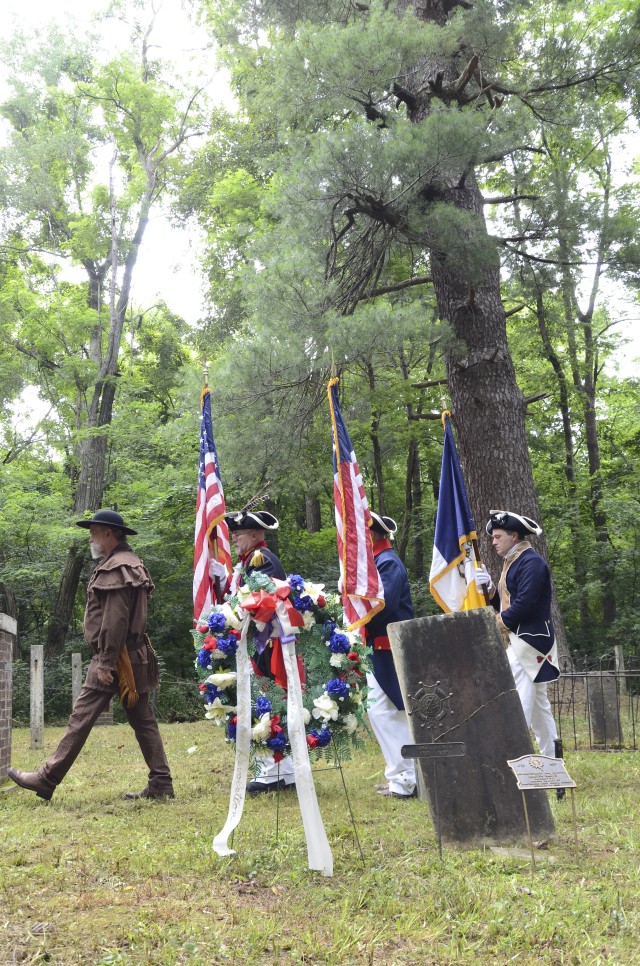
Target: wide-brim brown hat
106 518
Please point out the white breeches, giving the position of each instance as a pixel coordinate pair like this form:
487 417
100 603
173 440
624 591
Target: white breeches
391 729
271 771
536 707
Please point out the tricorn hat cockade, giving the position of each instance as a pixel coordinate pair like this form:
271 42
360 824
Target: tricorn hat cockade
384 524
106 518
251 520
507 520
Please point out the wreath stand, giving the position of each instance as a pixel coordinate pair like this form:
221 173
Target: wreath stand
336 767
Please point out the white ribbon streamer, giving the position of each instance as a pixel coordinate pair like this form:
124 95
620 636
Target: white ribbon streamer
318 848
243 745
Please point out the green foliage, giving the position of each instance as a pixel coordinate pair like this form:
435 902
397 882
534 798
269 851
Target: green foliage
323 141
57 690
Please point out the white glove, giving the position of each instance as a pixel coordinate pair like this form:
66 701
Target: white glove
217 569
484 584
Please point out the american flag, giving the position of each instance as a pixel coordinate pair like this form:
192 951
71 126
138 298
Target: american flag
360 584
210 513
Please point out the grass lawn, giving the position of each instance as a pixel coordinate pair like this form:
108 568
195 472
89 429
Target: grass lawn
89 878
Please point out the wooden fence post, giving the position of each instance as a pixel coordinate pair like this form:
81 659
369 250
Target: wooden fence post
619 658
37 696
76 677
8 634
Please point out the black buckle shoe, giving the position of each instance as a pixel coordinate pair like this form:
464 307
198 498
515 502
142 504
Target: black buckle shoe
259 788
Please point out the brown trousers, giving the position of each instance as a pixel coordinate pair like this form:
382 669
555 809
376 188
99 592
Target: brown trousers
88 707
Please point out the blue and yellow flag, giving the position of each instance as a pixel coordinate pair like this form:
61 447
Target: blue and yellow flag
453 565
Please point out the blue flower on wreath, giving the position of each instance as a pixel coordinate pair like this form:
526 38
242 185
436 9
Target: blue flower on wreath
339 643
228 645
337 688
296 583
263 706
277 744
303 603
328 628
203 659
216 622
231 732
210 692
323 737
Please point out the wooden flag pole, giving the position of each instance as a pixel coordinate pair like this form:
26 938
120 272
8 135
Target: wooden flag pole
213 544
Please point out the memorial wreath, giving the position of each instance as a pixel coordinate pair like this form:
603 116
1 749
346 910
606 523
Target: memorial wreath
332 661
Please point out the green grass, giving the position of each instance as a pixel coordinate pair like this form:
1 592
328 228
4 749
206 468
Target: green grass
92 879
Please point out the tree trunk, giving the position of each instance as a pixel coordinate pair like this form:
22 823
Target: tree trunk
375 442
63 608
313 518
418 539
488 408
408 515
579 553
92 450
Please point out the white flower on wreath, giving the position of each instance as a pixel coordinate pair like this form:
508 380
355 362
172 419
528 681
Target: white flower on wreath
217 711
262 730
222 679
326 708
313 590
230 615
309 619
350 723
337 660
306 715
356 695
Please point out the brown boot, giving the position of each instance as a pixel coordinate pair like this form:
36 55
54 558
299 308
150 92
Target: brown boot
34 781
150 793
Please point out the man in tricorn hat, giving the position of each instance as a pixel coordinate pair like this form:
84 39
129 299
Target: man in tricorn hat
247 531
122 661
523 602
386 709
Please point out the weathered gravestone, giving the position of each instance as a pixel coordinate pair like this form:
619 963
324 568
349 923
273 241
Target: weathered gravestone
604 709
458 686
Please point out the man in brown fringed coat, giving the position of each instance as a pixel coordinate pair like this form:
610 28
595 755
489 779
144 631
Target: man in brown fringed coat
123 661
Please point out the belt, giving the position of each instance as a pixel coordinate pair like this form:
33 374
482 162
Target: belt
381 643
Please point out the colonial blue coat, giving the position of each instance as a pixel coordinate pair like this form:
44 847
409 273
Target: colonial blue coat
529 612
272 567
397 607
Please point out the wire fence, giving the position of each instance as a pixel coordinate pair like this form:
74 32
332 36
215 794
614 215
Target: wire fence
596 703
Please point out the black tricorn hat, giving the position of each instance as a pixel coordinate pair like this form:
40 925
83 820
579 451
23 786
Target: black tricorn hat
507 520
251 520
384 524
106 518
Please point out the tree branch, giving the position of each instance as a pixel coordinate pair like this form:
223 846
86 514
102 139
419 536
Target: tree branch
506 199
